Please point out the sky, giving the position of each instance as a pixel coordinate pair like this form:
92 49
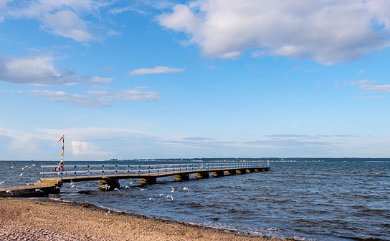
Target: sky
193 79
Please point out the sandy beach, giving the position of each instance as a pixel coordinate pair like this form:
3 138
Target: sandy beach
28 219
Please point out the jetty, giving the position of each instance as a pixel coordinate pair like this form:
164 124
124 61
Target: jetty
109 175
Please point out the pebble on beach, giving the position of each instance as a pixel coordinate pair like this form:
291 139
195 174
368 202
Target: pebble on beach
31 220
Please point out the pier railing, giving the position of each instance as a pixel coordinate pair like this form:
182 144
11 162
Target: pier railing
142 170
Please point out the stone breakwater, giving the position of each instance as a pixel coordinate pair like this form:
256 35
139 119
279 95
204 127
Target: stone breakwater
26 219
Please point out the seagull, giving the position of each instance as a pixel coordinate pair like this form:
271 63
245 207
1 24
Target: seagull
106 187
151 199
21 174
2 182
131 182
142 189
161 194
117 189
126 187
8 191
13 165
186 189
108 212
38 190
25 167
72 185
173 189
170 196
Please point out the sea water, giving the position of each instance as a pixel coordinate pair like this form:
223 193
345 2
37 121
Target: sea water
305 199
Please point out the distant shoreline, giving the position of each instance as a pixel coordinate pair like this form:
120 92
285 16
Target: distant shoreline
215 159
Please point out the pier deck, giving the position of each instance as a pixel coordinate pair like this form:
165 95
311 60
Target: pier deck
109 175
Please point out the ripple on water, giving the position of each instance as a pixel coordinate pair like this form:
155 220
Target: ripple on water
328 200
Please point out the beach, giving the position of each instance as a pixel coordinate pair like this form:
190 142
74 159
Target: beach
32 219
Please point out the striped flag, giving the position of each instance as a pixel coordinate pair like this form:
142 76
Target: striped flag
60 139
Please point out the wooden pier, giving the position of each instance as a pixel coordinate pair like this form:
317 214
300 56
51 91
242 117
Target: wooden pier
109 175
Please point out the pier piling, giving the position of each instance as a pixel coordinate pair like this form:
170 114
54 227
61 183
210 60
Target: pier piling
202 175
109 184
181 177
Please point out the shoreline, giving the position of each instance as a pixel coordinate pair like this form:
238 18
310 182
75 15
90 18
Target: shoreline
36 219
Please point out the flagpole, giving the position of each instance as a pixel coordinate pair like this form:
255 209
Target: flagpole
62 153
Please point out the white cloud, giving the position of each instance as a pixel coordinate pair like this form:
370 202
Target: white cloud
99 143
18 139
33 144
326 31
40 70
231 55
67 24
155 70
92 143
368 85
127 9
61 96
127 95
82 148
142 6
60 17
92 98
3 4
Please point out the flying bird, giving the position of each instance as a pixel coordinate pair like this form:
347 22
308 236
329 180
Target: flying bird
170 196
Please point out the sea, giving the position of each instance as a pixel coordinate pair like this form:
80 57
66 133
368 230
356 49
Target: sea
299 198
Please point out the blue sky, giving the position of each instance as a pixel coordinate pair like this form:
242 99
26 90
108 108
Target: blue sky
204 78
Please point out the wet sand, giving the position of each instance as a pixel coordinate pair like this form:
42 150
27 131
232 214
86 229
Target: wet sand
28 219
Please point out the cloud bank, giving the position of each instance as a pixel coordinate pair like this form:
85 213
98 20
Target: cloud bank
326 31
